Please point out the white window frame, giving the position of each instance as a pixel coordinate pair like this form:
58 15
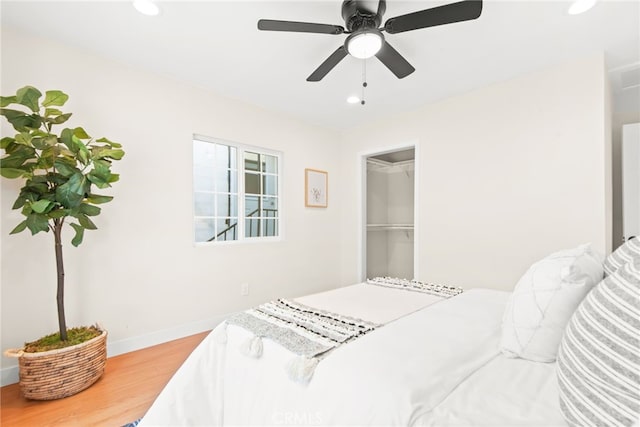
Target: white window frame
240 150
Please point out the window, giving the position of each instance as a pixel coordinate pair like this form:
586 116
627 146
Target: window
235 191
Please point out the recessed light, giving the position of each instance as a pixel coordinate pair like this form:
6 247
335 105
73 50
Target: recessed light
146 7
353 99
581 6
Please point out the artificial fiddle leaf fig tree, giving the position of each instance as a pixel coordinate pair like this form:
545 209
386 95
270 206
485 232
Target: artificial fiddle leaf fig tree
59 172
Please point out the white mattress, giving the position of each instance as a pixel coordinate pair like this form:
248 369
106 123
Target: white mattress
376 304
435 366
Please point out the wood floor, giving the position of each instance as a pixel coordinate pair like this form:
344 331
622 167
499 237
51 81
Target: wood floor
129 386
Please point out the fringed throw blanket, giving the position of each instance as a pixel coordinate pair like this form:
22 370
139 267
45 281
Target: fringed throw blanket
311 333
415 286
308 332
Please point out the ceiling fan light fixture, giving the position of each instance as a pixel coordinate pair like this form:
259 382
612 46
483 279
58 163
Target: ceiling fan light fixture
581 6
364 44
353 99
146 7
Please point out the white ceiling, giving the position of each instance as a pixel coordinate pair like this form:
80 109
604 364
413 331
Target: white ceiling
216 45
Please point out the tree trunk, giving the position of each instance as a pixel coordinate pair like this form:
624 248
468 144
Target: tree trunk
62 323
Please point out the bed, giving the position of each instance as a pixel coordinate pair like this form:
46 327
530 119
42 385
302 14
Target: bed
431 360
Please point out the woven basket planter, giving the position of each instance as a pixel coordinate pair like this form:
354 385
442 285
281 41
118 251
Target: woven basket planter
55 374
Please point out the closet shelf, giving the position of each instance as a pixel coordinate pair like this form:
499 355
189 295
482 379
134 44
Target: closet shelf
389 226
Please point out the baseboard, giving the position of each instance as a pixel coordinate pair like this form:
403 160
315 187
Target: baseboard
9 375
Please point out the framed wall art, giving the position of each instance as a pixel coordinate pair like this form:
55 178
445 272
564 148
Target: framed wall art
315 186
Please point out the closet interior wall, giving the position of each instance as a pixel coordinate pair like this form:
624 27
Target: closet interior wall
390 209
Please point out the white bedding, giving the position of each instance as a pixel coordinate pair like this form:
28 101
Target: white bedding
505 392
398 374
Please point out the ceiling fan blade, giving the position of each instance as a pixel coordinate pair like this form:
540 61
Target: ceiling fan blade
394 61
449 13
328 64
299 27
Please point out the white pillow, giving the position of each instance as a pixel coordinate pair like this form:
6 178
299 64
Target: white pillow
544 299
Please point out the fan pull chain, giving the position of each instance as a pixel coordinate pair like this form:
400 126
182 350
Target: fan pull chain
364 79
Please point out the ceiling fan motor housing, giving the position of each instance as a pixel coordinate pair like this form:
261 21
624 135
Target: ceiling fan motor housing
362 14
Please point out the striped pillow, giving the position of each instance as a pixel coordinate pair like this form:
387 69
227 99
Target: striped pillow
628 251
599 356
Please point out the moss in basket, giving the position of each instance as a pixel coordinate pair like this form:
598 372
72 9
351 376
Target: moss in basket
53 342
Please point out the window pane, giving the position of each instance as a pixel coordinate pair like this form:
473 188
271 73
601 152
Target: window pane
251 206
226 181
270 185
227 205
217 194
270 206
204 204
202 153
203 178
252 183
270 163
251 161
270 227
204 229
252 227
227 229
225 157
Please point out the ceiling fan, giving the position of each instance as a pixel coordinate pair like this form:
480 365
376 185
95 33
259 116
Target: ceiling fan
362 21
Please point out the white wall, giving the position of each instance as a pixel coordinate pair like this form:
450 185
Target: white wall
140 272
508 173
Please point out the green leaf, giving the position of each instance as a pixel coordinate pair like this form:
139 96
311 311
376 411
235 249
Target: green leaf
6 141
11 173
77 239
66 137
65 167
20 227
40 206
29 97
86 222
47 158
54 97
89 210
71 193
83 154
59 119
17 155
111 143
37 222
48 112
80 133
20 201
38 143
6 100
20 120
24 138
50 140
97 199
58 213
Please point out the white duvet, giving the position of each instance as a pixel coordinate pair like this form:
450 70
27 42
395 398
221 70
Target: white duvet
395 375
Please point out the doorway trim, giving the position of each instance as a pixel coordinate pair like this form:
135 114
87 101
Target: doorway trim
362 206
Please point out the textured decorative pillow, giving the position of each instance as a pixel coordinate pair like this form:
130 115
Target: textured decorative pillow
599 356
544 300
628 251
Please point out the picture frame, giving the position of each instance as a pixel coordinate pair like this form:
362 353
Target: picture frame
316 187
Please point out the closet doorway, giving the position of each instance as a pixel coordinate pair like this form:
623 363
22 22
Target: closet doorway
389 191
631 181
